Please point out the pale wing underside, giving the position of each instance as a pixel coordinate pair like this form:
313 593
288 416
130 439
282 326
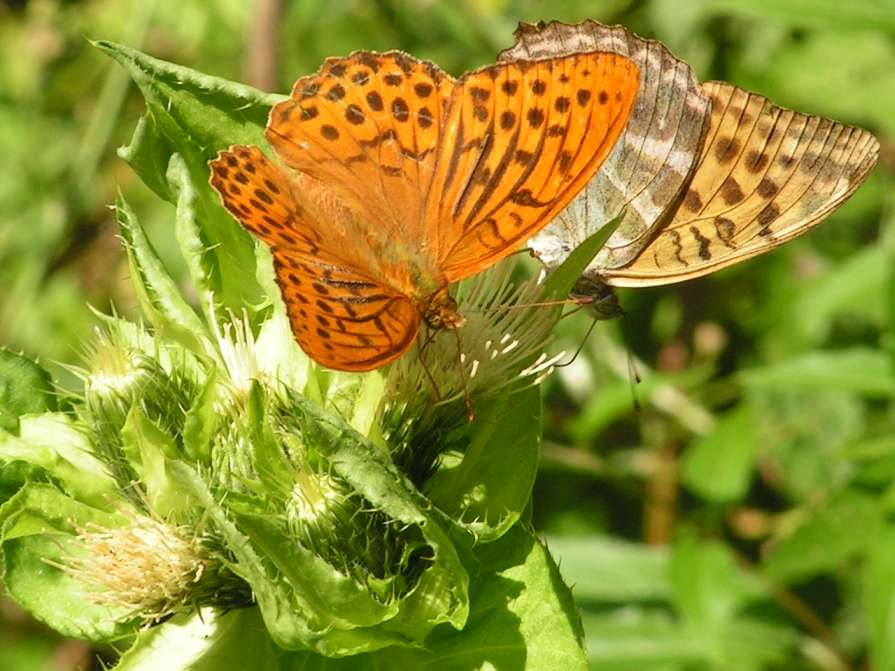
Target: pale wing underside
654 156
765 176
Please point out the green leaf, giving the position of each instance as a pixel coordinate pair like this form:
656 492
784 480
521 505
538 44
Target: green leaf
876 15
25 388
206 641
14 474
149 451
148 155
863 370
160 298
831 536
634 639
40 509
718 466
211 111
52 442
857 285
37 526
194 245
708 589
53 597
521 617
878 581
563 279
477 492
604 569
195 116
202 420
649 639
707 585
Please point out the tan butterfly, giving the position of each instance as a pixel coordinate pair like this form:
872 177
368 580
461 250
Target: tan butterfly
698 193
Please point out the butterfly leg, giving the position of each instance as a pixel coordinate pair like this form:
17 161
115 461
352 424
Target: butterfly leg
421 355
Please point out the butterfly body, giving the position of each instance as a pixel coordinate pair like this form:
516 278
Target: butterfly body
402 180
440 311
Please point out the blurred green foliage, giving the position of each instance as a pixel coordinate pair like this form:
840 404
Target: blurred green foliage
732 511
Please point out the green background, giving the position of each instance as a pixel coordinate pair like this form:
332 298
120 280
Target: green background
733 510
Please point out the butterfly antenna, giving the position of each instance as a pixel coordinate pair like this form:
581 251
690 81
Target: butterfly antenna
470 413
581 345
580 302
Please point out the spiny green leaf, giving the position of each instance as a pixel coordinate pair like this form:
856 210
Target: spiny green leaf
212 111
195 116
160 297
522 617
476 492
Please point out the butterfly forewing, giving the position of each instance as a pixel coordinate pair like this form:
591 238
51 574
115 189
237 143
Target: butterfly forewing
261 198
654 156
369 126
342 318
765 176
521 139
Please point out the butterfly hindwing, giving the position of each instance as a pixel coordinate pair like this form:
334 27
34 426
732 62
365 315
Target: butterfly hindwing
765 176
340 316
344 320
522 138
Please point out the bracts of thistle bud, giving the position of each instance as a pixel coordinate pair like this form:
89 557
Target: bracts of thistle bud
268 465
124 368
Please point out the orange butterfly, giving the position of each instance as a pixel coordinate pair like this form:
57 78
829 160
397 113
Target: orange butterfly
407 180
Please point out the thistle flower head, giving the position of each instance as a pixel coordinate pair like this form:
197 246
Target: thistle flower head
319 510
113 369
148 567
234 347
501 344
